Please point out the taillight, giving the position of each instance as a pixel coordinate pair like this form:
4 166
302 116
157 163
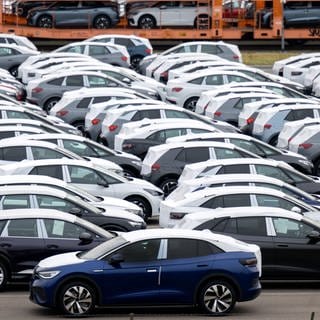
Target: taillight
250 120
176 89
37 90
95 121
124 58
235 57
62 113
177 215
164 74
217 114
155 167
267 126
148 51
113 127
249 262
305 145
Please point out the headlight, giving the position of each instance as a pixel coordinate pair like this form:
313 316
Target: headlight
154 192
135 211
48 274
136 224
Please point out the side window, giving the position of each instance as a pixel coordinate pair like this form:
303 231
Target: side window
213 203
177 114
76 49
214 80
2 224
79 148
74 81
150 114
83 175
196 80
211 49
50 202
56 82
13 153
123 42
223 153
97 50
63 229
299 114
242 200
246 145
23 228
15 201
101 99
51 171
192 155
241 168
96 81
189 248
16 115
270 171
252 226
45 153
83 103
6 134
141 251
234 78
287 228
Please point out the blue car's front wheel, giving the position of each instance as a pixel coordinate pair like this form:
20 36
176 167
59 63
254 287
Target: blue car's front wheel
76 298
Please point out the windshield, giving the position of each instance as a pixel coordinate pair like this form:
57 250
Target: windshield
103 249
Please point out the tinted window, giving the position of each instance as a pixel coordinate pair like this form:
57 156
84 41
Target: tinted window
253 226
214 79
51 171
150 114
287 228
50 202
74 81
15 201
241 168
13 153
56 82
62 229
191 155
84 103
223 153
230 200
45 153
16 115
23 228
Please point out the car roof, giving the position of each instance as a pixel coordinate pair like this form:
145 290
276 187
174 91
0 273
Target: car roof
44 190
53 136
20 141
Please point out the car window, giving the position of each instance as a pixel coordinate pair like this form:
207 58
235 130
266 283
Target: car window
288 228
63 229
123 42
142 251
98 50
265 200
299 114
211 49
16 115
76 49
13 153
226 201
7 134
181 248
240 168
51 171
15 201
100 99
192 155
223 153
51 202
150 114
56 82
79 148
250 226
22 228
74 81
176 114
270 171
96 81
6 51
196 80
234 78
247 145
215 79
83 103
45 153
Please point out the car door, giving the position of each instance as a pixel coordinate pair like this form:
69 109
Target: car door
248 229
67 14
92 181
63 236
296 255
185 259
22 241
141 267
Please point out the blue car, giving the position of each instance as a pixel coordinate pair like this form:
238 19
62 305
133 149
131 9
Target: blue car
153 267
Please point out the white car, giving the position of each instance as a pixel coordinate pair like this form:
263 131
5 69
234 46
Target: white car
96 180
310 76
170 126
42 197
291 129
12 38
296 71
209 199
186 90
40 180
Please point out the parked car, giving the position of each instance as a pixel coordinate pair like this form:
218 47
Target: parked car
171 13
74 14
210 199
11 131
105 52
281 235
86 148
60 232
256 146
238 179
12 55
118 285
94 179
267 167
164 163
138 47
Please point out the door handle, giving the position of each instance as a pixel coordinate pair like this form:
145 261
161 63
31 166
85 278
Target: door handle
282 245
52 246
152 270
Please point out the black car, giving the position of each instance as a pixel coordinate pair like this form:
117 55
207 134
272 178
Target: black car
289 242
75 14
30 235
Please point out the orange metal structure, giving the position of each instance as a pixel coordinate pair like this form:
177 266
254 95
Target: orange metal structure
220 29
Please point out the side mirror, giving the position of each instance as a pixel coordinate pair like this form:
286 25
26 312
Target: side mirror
103 183
116 259
314 236
296 209
85 238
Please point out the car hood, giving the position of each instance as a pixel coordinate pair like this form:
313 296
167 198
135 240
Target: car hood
61 259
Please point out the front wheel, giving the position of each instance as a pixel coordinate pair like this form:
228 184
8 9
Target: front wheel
218 297
143 204
102 22
45 22
76 298
49 104
191 103
79 125
168 185
147 22
4 276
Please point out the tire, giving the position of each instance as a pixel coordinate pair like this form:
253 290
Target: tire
316 167
143 204
76 298
45 21
147 22
190 104
168 185
218 297
50 103
135 60
79 125
102 22
4 276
